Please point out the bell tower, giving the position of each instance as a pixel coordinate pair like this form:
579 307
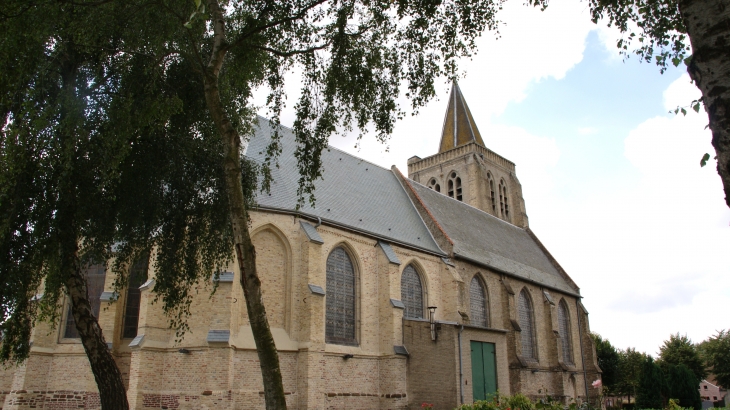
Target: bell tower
466 170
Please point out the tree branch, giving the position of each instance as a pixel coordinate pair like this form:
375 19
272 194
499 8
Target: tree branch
275 23
291 52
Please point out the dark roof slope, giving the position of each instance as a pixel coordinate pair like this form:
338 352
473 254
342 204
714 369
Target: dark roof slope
491 241
352 193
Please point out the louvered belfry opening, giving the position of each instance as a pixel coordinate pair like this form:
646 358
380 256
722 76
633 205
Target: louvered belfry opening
491 195
501 199
137 276
95 276
340 311
564 329
411 293
527 335
455 186
478 303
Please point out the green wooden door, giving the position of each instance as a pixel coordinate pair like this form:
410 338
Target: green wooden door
483 370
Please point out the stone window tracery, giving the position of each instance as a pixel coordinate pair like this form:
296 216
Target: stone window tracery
527 325
433 184
454 186
564 329
411 293
95 277
340 304
478 303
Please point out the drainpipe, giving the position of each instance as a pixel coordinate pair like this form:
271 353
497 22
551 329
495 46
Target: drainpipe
319 222
582 356
461 369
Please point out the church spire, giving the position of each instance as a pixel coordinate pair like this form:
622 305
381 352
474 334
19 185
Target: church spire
459 126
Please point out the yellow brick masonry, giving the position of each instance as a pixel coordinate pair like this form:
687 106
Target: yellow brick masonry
316 376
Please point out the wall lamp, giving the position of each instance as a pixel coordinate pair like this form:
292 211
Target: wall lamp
431 319
348 356
183 351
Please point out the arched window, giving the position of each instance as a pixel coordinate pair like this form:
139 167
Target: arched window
478 303
527 324
411 293
503 204
95 277
137 276
492 194
564 329
433 184
455 186
340 310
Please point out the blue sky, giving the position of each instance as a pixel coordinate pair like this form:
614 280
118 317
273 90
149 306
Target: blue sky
611 180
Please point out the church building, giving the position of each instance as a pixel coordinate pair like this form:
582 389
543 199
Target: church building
392 291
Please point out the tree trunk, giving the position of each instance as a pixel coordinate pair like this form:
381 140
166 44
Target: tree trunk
708 26
112 394
245 252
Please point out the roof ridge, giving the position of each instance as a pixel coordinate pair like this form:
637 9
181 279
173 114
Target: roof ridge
473 207
438 225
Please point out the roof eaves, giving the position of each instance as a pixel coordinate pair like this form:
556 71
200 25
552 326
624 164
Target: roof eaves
351 228
512 275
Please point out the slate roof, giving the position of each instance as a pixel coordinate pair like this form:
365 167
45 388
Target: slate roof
488 240
353 193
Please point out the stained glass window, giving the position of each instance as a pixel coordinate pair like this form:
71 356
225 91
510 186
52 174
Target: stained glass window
137 276
564 324
478 303
340 310
527 322
411 293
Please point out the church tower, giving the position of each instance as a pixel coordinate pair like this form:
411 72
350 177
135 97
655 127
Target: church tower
466 170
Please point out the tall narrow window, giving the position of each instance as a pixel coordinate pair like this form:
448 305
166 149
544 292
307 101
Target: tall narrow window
137 276
506 202
95 276
411 293
501 199
455 186
527 324
478 303
492 194
340 310
564 325
433 184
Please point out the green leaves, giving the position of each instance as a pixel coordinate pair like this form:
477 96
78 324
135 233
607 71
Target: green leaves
695 104
704 159
198 14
